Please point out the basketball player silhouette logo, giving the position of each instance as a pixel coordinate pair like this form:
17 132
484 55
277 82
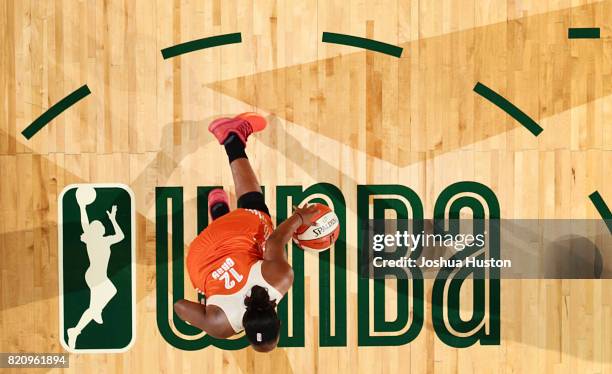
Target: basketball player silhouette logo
98 244
97 272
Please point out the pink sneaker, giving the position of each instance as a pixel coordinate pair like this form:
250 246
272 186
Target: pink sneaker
242 125
215 197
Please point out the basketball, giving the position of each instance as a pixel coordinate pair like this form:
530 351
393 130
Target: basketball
322 235
85 195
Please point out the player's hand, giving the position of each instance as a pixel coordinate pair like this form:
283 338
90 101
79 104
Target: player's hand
112 213
306 213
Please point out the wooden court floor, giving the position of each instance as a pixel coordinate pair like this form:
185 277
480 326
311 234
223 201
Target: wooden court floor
337 114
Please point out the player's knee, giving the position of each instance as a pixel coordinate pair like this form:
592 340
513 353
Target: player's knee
95 311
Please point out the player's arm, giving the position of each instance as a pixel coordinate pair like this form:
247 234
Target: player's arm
84 218
197 315
275 245
118 232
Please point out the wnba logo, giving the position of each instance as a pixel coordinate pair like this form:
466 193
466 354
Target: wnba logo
96 249
374 329
97 273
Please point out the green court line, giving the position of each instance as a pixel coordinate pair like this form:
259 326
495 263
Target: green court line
194 45
583 33
55 111
508 107
602 208
355 41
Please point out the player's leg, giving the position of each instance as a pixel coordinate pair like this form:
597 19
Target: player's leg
74 332
245 179
90 313
233 134
105 291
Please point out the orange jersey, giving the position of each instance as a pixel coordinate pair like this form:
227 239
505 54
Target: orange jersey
221 256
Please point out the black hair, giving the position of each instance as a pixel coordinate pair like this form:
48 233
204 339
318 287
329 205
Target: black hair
260 321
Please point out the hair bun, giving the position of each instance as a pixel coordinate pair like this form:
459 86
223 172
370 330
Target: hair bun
259 300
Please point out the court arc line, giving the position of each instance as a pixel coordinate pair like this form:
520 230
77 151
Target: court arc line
602 208
198 44
55 110
356 41
509 108
583 33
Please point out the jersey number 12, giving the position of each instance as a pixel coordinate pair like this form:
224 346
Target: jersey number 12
230 283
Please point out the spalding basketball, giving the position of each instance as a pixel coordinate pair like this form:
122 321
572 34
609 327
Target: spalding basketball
321 236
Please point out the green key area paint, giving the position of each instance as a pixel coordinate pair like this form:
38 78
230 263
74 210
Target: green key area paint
97 273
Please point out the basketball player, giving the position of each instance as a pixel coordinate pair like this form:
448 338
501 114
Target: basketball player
102 290
238 262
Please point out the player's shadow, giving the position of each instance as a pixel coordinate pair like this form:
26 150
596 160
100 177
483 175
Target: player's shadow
171 153
167 159
295 151
576 257
579 251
